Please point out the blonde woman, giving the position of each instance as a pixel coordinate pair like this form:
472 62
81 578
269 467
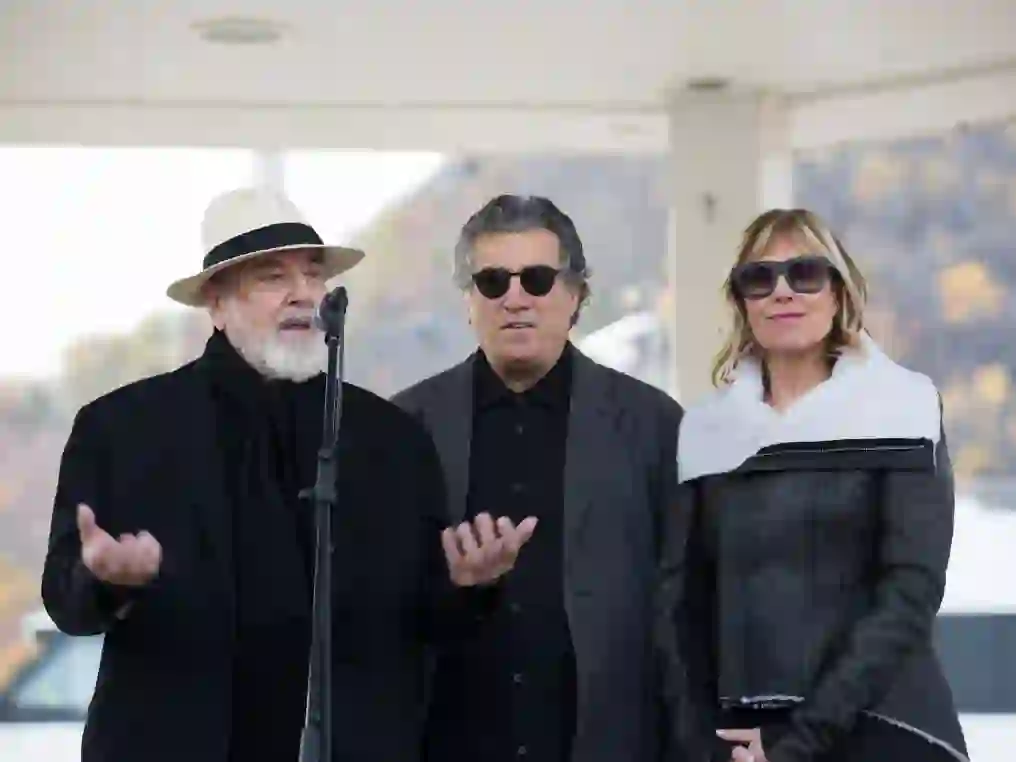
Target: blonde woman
806 558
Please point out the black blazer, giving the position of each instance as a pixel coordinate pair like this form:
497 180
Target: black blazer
619 482
810 576
144 457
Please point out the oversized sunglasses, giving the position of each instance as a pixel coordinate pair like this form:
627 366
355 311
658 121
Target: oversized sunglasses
807 274
536 280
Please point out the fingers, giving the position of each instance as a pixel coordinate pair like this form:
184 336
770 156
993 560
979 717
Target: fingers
86 522
95 543
149 553
131 560
140 556
127 560
128 547
485 530
100 554
515 537
450 543
484 549
467 542
739 735
525 529
460 546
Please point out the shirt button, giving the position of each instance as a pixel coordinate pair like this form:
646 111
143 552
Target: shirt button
522 751
514 608
519 428
517 678
517 488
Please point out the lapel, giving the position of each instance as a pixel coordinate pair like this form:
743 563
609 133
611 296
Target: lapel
451 426
590 419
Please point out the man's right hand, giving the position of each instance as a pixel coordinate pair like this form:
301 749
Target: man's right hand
131 560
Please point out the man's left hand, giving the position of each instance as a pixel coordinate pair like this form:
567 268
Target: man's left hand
481 551
753 752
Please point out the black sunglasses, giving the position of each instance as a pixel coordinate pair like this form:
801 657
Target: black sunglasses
808 274
536 280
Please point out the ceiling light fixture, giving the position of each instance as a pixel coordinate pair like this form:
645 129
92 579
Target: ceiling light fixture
708 84
239 30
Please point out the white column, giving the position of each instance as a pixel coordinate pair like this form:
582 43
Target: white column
269 170
731 159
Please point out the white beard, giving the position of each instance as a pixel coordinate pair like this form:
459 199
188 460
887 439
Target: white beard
290 358
297 358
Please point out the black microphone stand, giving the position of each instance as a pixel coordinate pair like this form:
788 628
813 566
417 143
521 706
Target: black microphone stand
316 741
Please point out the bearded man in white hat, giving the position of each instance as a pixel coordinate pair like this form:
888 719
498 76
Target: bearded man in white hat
178 533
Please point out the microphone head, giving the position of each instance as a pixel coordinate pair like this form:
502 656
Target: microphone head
337 299
332 309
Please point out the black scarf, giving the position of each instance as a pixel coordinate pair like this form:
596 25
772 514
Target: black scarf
267 460
268 457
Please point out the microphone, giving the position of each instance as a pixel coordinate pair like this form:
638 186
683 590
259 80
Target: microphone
331 312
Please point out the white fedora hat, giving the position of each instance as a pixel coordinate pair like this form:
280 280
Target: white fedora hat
251 222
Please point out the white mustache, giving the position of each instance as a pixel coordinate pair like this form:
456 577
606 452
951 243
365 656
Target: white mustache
297 321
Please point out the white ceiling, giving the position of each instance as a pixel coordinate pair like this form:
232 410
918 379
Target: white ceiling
619 58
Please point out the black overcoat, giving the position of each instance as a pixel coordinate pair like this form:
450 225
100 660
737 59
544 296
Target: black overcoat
144 457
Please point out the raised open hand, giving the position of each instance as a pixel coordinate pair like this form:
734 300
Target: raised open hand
131 560
480 552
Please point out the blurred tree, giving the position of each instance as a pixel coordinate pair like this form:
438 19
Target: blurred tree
967 290
932 222
95 365
25 403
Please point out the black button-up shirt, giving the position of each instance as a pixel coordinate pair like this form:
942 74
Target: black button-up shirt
509 694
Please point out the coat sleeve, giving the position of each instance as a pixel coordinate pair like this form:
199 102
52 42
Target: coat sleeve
683 633
663 481
448 612
662 499
77 601
917 531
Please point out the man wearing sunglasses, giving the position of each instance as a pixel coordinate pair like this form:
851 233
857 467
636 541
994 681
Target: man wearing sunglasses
530 428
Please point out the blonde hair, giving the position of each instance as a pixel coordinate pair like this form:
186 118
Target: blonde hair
849 287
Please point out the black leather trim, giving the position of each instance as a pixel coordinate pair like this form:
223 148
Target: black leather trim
845 455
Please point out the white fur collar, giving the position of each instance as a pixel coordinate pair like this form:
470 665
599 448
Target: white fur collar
868 396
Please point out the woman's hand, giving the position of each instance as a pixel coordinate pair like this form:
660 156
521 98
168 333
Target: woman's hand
753 752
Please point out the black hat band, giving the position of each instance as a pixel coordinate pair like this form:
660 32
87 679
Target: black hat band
276 236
